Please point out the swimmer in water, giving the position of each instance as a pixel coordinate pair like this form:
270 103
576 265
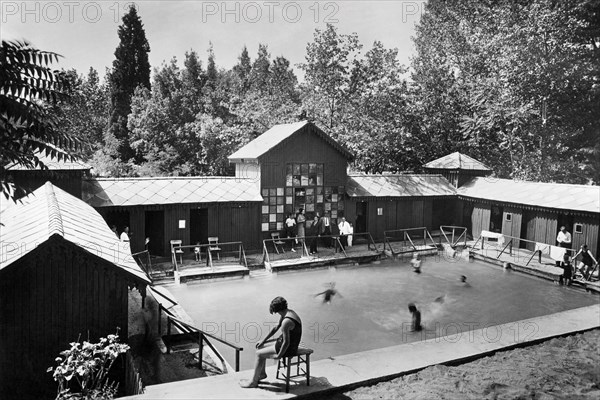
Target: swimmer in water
416 318
463 280
329 293
416 263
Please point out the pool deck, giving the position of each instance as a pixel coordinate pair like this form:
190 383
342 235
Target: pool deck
349 371
518 262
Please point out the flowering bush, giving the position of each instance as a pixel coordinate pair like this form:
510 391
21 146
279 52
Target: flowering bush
87 364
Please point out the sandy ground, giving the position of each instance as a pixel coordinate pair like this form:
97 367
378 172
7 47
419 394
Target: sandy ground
153 365
561 368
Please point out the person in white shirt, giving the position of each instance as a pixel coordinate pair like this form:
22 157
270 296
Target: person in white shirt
564 240
344 227
290 228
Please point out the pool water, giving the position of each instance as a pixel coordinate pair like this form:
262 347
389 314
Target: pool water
370 310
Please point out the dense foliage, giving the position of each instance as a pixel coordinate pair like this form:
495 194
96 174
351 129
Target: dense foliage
513 84
28 89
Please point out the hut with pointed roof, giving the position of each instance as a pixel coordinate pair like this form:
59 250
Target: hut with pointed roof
457 168
63 275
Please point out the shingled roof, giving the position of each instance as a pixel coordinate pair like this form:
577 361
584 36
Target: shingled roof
559 196
169 190
456 161
50 211
278 134
402 185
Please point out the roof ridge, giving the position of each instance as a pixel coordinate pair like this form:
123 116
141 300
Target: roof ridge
147 178
55 225
492 180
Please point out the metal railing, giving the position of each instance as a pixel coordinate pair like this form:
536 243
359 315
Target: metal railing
203 337
412 236
511 243
326 246
453 240
226 250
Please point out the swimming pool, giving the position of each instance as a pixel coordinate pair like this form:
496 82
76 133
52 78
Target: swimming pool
371 310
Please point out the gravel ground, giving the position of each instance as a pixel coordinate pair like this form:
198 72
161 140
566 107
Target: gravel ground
561 368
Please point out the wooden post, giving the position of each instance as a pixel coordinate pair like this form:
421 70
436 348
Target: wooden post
200 348
237 360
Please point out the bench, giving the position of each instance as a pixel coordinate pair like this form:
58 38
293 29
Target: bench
301 360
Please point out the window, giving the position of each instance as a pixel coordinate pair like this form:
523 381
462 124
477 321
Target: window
508 216
578 228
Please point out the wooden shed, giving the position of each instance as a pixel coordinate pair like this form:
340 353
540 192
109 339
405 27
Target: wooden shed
298 166
533 210
457 168
189 209
67 175
388 202
63 275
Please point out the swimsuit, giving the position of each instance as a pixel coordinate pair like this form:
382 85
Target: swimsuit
295 335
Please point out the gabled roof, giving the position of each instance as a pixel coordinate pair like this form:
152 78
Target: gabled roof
457 160
276 135
170 190
50 211
403 185
546 195
53 164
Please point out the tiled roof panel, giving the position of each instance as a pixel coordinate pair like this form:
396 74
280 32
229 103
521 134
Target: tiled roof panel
173 190
457 160
50 210
548 195
398 186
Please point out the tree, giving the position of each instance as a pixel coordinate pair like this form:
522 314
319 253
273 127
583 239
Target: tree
515 84
27 88
131 69
329 61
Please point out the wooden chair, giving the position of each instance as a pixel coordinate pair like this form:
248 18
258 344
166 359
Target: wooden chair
302 363
175 251
213 245
277 242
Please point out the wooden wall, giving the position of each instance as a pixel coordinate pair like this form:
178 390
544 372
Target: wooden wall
305 146
512 227
71 181
47 299
589 236
401 213
229 221
480 219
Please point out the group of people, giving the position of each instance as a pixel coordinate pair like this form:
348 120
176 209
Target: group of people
321 228
569 264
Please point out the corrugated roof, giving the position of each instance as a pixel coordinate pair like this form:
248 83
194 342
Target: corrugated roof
52 163
403 185
547 195
171 190
50 211
457 160
277 134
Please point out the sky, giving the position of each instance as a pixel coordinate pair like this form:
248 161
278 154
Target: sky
85 32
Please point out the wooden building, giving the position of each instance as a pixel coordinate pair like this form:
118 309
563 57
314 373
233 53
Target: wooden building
298 166
190 209
532 210
377 203
63 275
67 175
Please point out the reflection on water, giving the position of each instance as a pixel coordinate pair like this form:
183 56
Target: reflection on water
372 309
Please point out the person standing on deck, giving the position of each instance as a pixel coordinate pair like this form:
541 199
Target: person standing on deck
344 227
564 240
290 228
300 225
326 230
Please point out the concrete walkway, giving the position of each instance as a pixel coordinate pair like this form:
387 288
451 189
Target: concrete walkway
367 367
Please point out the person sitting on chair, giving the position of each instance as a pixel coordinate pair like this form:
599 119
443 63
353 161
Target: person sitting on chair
286 345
